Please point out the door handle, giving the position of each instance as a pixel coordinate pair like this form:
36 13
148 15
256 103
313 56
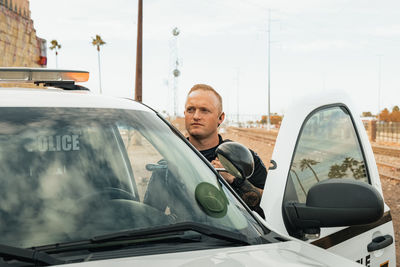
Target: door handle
274 165
380 242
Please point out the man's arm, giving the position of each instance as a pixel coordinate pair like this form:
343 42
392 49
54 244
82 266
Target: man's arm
250 194
259 175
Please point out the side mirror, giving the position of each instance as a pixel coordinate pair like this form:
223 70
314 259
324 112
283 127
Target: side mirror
236 159
333 203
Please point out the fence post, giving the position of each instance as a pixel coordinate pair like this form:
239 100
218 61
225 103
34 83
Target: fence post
372 130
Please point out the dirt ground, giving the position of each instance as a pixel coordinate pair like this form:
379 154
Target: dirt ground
391 187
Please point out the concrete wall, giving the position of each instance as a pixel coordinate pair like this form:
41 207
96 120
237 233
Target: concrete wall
19 45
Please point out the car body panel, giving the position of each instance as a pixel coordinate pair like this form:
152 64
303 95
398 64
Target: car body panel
17 97
288 254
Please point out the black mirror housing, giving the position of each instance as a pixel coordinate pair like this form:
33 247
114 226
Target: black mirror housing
334 203
236 159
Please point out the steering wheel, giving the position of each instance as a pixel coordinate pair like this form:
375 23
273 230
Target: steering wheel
107 194
116 215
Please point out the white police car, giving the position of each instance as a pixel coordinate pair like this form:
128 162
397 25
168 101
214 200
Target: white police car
92 180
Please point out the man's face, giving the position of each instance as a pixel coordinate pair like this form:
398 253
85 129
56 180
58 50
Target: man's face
202 114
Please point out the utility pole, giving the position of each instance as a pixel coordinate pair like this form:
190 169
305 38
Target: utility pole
139 53
269 70
237 99
379 83
175 65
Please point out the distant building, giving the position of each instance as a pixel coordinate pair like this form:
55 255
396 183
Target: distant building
19 45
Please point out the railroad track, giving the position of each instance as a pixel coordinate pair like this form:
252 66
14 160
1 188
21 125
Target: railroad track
388 170
387 151
257 136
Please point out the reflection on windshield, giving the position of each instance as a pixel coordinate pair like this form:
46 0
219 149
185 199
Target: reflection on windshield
327 148
70 174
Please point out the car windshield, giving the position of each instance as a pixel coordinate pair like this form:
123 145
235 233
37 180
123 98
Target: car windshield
70 174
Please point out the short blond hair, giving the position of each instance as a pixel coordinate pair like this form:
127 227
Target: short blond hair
206 88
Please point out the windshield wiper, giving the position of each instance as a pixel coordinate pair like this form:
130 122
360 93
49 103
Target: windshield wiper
207 230
28 255
154 234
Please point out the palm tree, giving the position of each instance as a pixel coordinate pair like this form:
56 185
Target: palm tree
351 164
292 169
98 42
306 163
298 180
336 171
55 46
356 167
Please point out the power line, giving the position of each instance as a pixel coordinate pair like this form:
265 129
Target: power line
379 83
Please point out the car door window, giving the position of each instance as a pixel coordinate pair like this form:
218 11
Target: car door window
328 147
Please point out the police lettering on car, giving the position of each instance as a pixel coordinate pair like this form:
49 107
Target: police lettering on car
68 142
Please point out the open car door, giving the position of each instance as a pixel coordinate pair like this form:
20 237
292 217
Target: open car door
321 139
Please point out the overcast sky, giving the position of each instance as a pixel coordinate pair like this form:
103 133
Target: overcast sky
317 46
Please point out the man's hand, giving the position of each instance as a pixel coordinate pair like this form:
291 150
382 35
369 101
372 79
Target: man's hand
228 177
248 192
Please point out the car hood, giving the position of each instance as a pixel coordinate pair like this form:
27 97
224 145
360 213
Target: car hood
291 253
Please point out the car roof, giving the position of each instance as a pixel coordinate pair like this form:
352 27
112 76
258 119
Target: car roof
48 97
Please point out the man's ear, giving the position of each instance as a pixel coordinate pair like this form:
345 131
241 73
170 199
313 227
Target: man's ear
221 118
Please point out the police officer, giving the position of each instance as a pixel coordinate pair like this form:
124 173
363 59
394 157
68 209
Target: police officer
203 115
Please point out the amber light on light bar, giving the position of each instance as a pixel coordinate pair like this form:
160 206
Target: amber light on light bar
76 76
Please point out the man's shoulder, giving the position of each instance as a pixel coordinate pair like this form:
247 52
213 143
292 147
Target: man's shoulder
229 140
255 156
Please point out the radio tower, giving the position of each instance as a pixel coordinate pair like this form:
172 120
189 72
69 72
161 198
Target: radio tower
175 65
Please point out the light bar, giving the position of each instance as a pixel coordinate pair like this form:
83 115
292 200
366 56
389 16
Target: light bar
31 75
